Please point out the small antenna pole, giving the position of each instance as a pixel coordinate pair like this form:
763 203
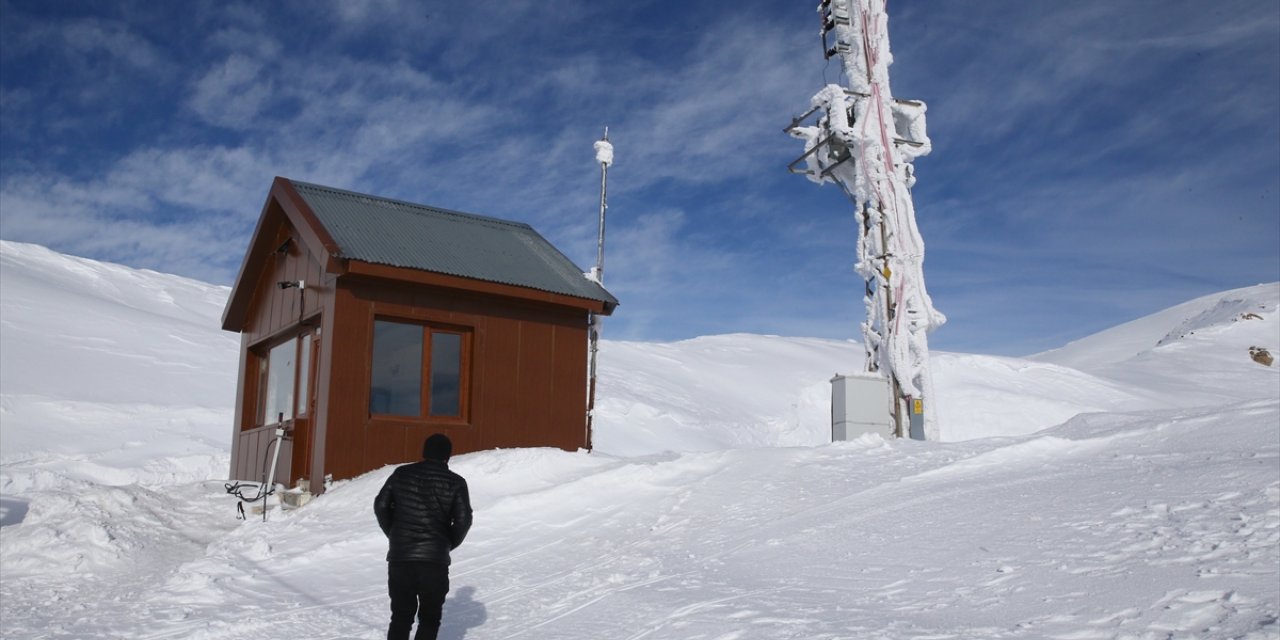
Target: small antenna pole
604 155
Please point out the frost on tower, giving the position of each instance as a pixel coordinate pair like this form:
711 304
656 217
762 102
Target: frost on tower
864 140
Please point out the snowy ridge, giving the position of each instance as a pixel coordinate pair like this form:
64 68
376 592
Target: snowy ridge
1227 309
1130 339
1193 354
1134 496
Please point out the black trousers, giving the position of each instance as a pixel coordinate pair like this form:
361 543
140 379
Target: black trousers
416 588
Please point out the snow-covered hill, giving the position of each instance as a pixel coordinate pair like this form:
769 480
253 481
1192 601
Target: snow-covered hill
733 391
109 374
1124 486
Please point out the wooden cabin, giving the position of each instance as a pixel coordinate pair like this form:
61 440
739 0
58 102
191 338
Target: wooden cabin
368 324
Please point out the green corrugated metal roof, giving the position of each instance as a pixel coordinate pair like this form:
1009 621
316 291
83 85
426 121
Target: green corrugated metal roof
414 236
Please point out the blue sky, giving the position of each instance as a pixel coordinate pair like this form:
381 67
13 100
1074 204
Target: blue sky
1093 161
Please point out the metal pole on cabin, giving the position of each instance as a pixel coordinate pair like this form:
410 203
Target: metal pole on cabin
604 178
593 328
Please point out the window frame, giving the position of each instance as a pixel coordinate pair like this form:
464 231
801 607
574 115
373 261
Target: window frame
425 399
300 389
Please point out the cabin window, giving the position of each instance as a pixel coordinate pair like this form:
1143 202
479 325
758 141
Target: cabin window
396 387
446 373
400 384
284 380
277 374
304 373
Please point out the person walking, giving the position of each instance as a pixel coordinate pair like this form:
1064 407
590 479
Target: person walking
425 511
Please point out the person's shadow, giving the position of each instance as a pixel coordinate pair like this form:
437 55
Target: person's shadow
12 510
462 612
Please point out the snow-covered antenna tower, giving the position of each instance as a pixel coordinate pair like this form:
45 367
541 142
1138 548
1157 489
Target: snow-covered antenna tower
604 155
865 141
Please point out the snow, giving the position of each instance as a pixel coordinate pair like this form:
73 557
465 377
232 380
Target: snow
1124 486
604 152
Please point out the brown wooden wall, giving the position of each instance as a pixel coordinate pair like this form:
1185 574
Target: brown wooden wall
275 310
252 452
275 314
528 375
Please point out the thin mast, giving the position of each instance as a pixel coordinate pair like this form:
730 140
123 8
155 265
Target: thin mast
604 155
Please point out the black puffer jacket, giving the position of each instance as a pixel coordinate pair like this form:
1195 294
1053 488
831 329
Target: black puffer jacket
425 510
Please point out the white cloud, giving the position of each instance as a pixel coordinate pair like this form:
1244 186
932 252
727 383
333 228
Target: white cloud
233 93
91 38
723 108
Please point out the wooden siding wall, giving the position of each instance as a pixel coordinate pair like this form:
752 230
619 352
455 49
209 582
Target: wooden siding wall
528 375
275 314
255 450
274 311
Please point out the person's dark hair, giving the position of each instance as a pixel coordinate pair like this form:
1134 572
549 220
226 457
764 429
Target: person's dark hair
437 447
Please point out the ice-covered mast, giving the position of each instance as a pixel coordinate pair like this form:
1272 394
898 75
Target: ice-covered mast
604 155
865 141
